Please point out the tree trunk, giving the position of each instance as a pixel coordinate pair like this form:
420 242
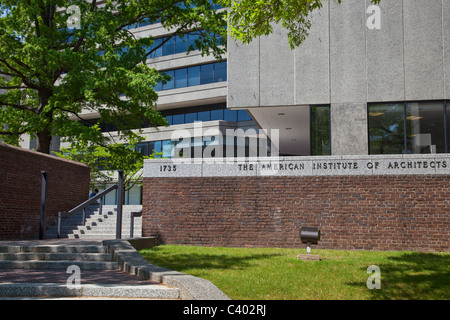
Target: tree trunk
44 140
44 137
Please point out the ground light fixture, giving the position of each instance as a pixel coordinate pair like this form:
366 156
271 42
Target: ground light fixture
309 236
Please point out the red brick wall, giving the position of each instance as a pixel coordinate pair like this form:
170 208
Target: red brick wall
20 189
409 212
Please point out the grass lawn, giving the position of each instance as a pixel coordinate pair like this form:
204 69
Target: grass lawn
277 274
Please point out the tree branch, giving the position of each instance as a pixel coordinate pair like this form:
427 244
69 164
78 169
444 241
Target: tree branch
8 133
18 106
20 74
13 87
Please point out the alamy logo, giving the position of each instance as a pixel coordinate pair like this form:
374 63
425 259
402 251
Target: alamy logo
74 21
374 281
374 20
74 281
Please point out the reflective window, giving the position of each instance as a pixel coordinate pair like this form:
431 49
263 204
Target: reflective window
320 131
217 115
207 73
159 51
181 45
170 84
243 115
133 196
178 119
190 117
220 72
204 116
447 123
205 113
181 80
387 128
142 148
230 115
425 127
412 128
167 148
169 47
193 76
191 40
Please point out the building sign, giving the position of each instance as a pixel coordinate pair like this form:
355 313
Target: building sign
299 166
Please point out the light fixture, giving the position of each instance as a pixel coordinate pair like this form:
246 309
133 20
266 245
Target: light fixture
282 114
414 118
376 114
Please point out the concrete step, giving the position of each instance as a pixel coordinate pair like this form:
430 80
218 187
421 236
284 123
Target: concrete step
100 236
55 249
44 264
56 256
154 291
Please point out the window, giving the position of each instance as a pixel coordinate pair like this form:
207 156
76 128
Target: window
178 119
194 76
425 128
230 115
243 115
169 47
387 128
207 73
142 148
220 72
167 148
181 45
408 128
204 116
320 130
158 52
217 115
190 117
205 113
181 80
191 40
170 84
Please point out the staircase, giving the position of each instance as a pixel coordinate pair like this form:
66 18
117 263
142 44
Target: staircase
56 257
41 271
98 226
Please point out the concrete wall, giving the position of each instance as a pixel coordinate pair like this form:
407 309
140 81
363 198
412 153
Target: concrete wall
347 65
20 189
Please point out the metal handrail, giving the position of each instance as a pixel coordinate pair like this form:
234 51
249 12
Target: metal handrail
92 200
82 206
132 216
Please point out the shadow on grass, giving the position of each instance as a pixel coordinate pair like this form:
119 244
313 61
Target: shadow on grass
413 276
186 261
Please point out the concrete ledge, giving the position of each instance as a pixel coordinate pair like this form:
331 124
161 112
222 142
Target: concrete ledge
190 287
38 290
88 290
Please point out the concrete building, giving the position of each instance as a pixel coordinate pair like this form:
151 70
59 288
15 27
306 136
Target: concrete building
378 76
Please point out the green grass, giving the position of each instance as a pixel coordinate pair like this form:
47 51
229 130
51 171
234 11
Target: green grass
277 274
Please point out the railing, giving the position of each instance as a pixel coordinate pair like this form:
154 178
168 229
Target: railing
132 216
94 199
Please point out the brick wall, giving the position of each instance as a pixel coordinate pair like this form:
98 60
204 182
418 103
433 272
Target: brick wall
20 189
408 212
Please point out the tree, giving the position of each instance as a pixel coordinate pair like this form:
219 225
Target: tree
51 74
249 19
104 161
